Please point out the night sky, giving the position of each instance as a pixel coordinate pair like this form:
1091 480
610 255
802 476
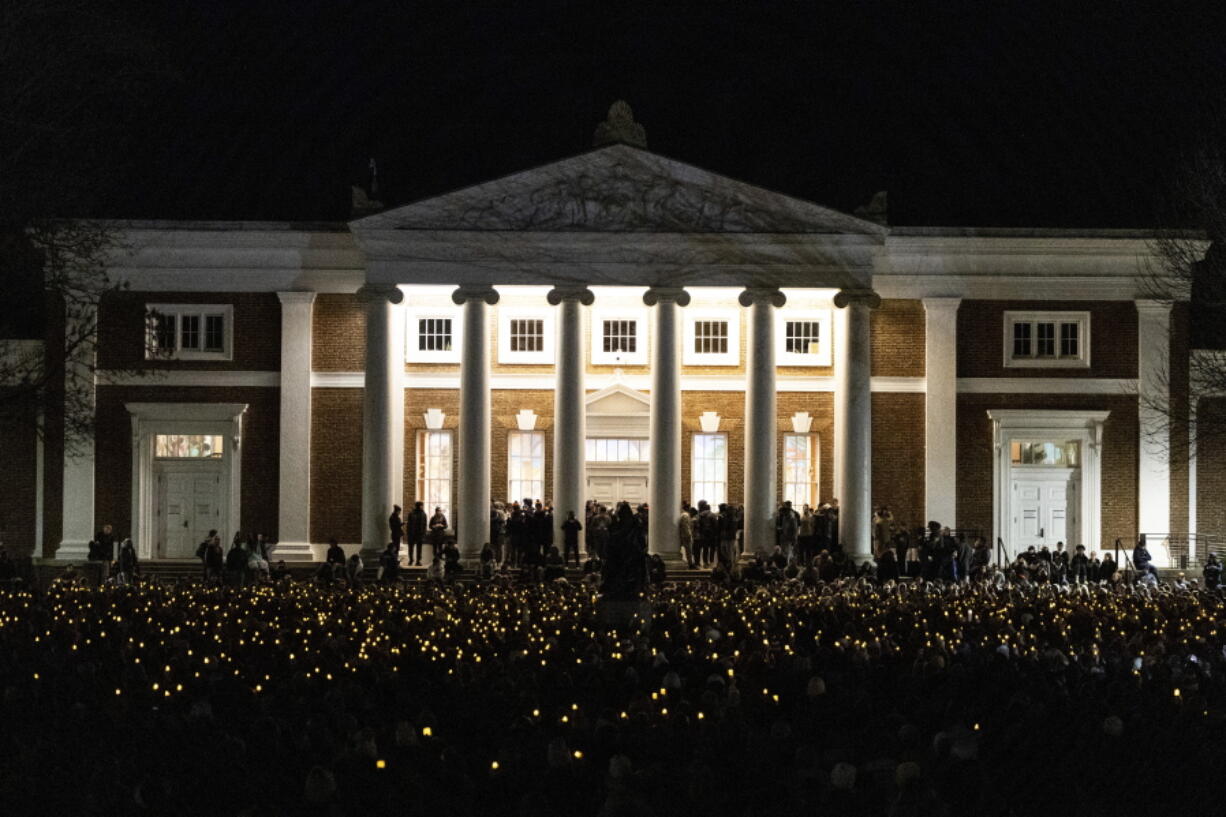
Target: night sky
979 113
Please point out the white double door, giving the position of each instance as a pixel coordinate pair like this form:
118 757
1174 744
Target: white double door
1044 505
189 506
610 487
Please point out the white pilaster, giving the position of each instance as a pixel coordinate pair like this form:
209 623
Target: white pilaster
569 408
853 391
941 409
382 410
473 511
80 391
760 421
1153 405
294 502
664 469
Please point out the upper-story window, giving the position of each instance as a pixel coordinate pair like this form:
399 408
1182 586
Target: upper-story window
433 335
619 337
189 331
803 338
1047 339
712 338
525 336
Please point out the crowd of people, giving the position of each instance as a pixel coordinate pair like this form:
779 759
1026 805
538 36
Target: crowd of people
990 696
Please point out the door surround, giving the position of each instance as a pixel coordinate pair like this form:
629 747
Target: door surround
1029 424
151 419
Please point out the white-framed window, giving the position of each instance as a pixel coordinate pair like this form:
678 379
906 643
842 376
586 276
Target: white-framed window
1047 339
803 337
188 446
434 471
526 336
433 335
709 468
712 338
189 331
619 337
617 449
525 465
801 454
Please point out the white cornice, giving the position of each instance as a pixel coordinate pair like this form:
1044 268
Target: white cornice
1046 385
724 383
190 377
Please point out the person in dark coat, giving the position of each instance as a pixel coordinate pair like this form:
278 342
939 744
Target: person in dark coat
625 569
887 566
396 526
1212 572
1106 571
1079 566
102 548
128 563
214 559
417 532
570 537
335 556
438 529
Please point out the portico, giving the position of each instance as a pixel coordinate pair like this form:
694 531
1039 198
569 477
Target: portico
627 218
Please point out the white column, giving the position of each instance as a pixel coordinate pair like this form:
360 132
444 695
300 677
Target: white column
1153 405
664 468
473 512
760 422
941 409
569 407
294 500
853 390
382 407
79 403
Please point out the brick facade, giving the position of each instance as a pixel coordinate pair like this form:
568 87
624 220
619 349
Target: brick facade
256 330
336 465
1113 338
1211 472
18 482
897 329
338 333
1119 457
898 456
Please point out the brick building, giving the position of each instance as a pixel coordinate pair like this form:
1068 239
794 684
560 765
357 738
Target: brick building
619 325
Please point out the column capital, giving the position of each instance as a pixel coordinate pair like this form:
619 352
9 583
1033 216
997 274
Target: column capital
942 303
372 293
677 295
570 292
463 295
770 295
297 297
1153 306
866 297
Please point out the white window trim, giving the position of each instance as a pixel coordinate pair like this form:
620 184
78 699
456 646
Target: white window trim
179 310
825 337
694 481
1082 361
546 355
730 358
412 354
603 358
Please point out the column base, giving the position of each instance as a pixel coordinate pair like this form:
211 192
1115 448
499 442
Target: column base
294 552
72 551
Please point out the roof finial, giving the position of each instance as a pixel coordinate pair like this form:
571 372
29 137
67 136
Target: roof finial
620 127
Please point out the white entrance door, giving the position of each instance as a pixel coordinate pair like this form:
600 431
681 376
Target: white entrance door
613 488
1044 508
189 506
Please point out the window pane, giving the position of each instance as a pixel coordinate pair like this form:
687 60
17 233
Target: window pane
802 337
1069 340
526 465
188 446
1046 339
527 335
620 336
1021 340
711 337
189 337
434 335
709 468
164 331
215 333
434 471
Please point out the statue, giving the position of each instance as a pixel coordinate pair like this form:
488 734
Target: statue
620 127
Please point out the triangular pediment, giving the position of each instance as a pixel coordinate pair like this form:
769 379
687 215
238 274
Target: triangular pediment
618 399
615 189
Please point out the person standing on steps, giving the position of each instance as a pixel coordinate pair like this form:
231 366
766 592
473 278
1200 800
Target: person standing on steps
396 526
